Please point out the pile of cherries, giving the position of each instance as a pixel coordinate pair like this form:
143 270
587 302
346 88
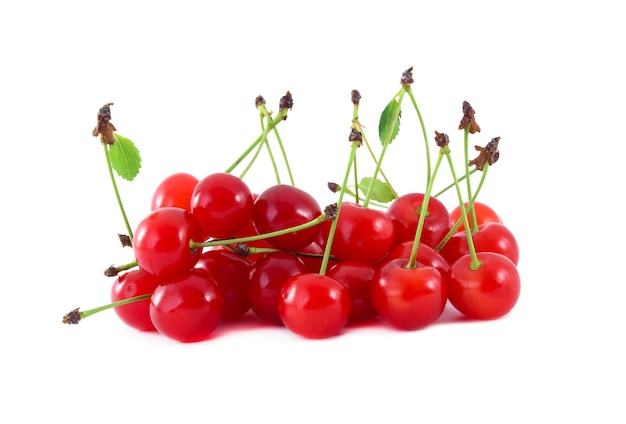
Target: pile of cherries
212 251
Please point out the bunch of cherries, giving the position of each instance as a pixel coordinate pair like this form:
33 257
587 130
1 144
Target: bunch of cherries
211 251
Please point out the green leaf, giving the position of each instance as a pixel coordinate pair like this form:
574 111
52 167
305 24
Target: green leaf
124 157
380 190
389 124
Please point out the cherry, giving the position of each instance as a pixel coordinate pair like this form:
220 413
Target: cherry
230 272
488 292
362 234
405 212
161 244
129 284
266 277
408 298
222 203
282 206
490 237
187 307
357 277
174 190
314 306
483 212
426 255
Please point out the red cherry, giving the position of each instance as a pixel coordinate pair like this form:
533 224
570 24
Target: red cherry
174 190
490 237
284 206
483 213
489 292
426 255
405 213
408 298
314 306
161 242
267 276
357 277
222 203
134 282
362 234
230 272
187 307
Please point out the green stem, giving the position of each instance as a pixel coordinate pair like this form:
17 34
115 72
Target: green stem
117 193
386 142
423 212
316 221
449 186
75 316
359 128
271 125
474 222
419 115
469 208
284 153
475 262
333 226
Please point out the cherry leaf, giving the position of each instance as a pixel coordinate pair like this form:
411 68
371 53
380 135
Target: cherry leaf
380 190
389 124
124 157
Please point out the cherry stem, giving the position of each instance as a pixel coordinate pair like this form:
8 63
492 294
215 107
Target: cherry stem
265 113
474 222
316 221
271 125
449 186
359 127
262 250
386 142
419 115
469 208
117 193
475 262
423 212
75 316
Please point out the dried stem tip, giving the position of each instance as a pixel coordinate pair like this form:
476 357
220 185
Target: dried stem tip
331 211
259 101
356 136
488 154
407 77
356 97
468 119
104 128
286 102
73 317
334 187
441 139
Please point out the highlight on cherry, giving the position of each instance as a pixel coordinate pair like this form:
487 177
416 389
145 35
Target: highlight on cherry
211 251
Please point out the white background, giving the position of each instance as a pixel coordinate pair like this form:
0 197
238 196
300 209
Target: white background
547 77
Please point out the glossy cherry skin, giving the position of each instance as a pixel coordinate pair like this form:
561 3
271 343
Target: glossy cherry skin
484 214
266 278
222 203
187 307
357 277
408 298
131 283
426 255
491 237
489 292
161 242
174 190
230 272
314 306
283 206
405 213
362 234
